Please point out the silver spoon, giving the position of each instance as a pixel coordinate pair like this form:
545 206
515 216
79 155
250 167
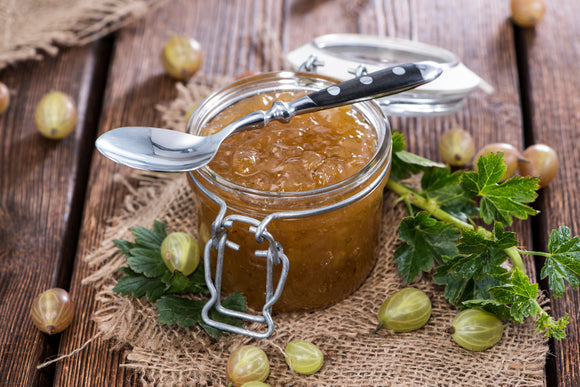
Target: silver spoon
164 150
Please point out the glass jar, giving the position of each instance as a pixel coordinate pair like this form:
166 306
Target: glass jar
331 243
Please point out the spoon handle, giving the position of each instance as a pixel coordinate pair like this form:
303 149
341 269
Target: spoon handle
378 84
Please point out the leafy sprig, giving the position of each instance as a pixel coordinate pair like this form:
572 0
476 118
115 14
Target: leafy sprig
440 234
499 202
147 276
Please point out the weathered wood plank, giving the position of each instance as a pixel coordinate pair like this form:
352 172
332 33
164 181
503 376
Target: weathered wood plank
135 85
41 194
551 82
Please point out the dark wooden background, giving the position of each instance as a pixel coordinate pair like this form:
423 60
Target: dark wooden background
56 197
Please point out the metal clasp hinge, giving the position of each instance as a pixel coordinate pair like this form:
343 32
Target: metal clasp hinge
310 64
274 255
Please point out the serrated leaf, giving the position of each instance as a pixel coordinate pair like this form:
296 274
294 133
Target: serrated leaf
426 240
147 262
499 201
235 301
185 312
178 283
459 289
519 295
138 285
490 170
481 256
127 270
147 275
398 142
442 186
454 285
519 289
563 262
179 310
550 327
123 246
160 228
438 179
147 238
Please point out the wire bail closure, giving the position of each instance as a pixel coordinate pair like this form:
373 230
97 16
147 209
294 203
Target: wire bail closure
274 255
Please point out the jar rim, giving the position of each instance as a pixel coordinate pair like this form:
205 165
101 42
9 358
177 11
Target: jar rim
288 80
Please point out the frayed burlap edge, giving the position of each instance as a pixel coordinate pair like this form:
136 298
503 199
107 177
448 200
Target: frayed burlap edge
163 355
53 25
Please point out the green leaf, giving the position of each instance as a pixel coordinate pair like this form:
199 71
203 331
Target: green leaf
520 295
147 262
442 186
477 268
398 142
459 289
138 285
490 170
198 276
454 285
124 246
439 179
127 270
403 163
235 301
426 240
481 256
148 238
185 312
418 161
499 201
160 228
550 327
178 310
178 283
147 275
563 262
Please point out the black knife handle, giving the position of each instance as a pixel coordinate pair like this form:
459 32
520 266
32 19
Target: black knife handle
380 83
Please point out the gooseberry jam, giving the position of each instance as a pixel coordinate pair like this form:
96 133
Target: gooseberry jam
312 151
315 160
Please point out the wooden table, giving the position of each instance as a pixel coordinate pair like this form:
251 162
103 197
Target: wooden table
56 196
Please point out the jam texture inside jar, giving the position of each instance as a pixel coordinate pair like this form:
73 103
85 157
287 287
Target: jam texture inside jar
315 160
312 151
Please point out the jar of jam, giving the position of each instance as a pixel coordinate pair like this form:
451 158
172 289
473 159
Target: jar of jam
315 185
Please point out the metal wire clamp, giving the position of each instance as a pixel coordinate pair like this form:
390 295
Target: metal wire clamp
273 255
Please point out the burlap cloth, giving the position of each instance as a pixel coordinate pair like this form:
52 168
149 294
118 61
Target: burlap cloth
31 28
164 355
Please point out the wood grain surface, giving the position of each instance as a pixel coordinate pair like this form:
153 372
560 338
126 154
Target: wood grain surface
41 196
57 197
552 110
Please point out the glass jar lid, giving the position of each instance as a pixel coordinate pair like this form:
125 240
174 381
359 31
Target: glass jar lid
342 55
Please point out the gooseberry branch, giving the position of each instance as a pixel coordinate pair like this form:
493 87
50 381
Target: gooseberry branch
435 210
